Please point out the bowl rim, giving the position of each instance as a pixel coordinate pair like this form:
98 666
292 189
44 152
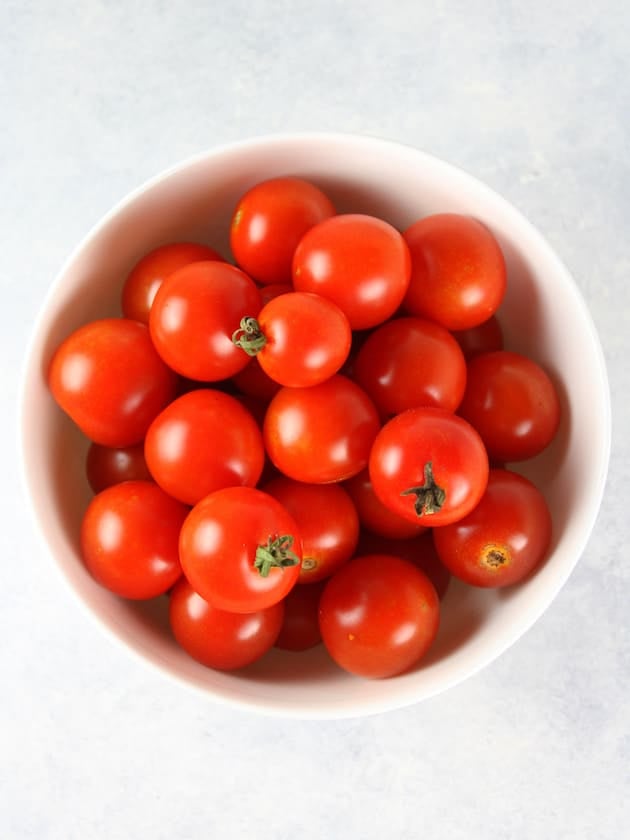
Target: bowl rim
287 709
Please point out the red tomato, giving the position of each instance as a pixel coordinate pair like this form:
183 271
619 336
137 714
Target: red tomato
503 539
378 615
374 515
361 263
194 314
484 338
269 221
429 466
512 403
299 339
419 550
106 466
253 381
147 275
204 441
458 274
220 639
300 628
321 434
411 362
240 550
129 538
327 520
107 376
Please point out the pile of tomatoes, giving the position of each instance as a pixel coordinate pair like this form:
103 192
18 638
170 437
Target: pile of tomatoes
303 446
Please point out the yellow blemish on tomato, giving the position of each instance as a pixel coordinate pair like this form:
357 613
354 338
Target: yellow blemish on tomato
351 637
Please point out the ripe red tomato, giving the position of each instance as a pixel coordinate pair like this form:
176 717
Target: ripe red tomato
107 376
411 362
485 338
148 274
374 515
194 315
321 434
203 441
219 639
105 466
458 274
378 615
512 403
129 538
503 539
429 466
254 382
300 628
299 339
361 263
269 221
240 550
327 520
419 550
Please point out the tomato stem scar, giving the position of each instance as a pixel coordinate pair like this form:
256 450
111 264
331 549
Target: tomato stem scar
275 554
430 497
249 336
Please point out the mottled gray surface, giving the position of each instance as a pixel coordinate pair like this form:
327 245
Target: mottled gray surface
532 98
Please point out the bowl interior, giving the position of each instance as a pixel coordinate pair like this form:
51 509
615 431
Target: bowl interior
543 315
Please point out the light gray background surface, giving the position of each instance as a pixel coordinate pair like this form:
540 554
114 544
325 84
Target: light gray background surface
533 98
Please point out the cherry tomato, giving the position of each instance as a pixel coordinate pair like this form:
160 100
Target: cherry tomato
107 376
240 550
418 550
327 520
269 221
503 539
321 434
105 466
429 466
378 615
300 628
411 362
374 515
194 314
219 639
361 263
484 338
299 339
512 403
204 441
253 380
458 274
148 274
129 538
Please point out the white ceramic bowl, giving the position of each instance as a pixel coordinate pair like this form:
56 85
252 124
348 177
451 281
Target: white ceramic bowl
543 315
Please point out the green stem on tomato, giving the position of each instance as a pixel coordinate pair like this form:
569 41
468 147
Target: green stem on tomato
430 497
275 554
249 336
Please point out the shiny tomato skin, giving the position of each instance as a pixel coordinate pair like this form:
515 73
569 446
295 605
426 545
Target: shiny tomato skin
418 442
307 339
106 466
194 315
300 628
411 362
374 515
327 520
149 273
458 273
218 548
503 539
203 441
321 434
359 262
419 550
378 616
129 539
269 221
512 403
109 379
221 640
484 338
